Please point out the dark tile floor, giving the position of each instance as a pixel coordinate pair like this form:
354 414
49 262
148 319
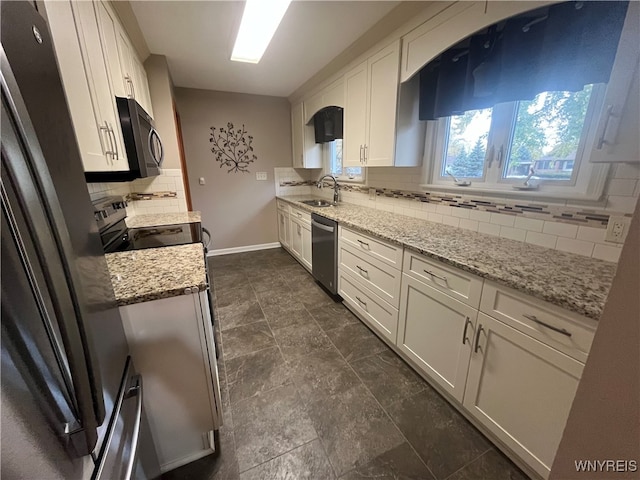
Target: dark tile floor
309 392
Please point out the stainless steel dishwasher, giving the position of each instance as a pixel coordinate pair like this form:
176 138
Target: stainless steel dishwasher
324 252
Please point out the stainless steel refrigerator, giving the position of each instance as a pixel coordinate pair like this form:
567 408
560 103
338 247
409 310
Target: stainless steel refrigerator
71 398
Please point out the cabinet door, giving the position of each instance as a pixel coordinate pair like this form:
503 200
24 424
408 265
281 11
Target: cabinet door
306 246
296 239
283 228
109 34
382 103
141 86
89 128
521 390
97 73
436 332
355 116
617 131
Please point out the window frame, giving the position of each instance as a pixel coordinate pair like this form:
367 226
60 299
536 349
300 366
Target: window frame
327 152
587 182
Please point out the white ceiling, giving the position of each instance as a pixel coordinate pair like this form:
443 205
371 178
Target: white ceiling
197 38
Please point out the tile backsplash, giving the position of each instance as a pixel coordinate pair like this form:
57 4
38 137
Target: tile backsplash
558 225
161 194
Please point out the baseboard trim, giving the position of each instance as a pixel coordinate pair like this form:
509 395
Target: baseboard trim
246 248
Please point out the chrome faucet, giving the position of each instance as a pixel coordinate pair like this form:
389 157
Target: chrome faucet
335 187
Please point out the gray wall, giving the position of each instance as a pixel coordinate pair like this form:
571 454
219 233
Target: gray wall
238 209
161 90
604 423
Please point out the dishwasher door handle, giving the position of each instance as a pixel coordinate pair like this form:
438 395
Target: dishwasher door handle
321 226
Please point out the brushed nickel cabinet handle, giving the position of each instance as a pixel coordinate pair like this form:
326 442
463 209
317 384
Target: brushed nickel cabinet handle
444 279
362 243
477 347
467 321
361 156
361 301
115 143
533 318
362 269
608 114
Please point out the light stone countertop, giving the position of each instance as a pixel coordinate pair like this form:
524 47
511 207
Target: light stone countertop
161 219
153 273
575 282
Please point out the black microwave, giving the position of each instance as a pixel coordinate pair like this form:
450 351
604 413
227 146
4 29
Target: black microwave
141 141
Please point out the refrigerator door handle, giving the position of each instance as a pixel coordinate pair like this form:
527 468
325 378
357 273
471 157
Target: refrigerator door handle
135 391
117 407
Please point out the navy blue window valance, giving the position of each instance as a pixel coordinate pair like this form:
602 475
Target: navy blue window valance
558 48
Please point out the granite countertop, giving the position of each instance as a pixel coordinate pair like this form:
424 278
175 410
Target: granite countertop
159 219
153 273
575 282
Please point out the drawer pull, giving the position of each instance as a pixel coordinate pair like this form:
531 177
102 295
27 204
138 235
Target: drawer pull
362 270
480 329
464 332
361 301
362 243
444 279
533 318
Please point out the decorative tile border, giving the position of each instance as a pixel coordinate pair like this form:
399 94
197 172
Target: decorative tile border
151 196
554 213
302 183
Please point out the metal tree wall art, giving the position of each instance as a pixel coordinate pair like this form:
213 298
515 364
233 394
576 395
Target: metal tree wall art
232 148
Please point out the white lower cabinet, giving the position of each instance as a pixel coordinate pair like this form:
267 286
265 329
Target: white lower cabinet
171 342
521 390
283 228
306 246
296 239
375 312
436 332
294 227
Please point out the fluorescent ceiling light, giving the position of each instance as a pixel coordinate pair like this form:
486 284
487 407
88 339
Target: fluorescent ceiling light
259 22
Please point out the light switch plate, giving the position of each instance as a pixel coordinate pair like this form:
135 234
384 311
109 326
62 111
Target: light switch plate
261 175
201 181
372 194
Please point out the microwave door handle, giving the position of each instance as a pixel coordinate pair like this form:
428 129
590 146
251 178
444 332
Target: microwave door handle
157 158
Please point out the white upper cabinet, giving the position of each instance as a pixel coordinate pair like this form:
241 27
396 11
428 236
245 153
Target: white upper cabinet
616 138
306 152
84 75
371 104
96 64
355 116
125 69
331 96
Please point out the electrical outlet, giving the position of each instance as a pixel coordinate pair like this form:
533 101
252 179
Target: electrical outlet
261 175
201 181
372 194
617 229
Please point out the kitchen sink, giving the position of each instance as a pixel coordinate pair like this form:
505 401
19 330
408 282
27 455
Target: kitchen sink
317 203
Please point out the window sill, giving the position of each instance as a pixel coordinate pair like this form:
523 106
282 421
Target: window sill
593 199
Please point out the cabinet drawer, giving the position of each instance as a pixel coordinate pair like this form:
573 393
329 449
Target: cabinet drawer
376 248
382 279
377 313
570 333
460 285
282 205
301 215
